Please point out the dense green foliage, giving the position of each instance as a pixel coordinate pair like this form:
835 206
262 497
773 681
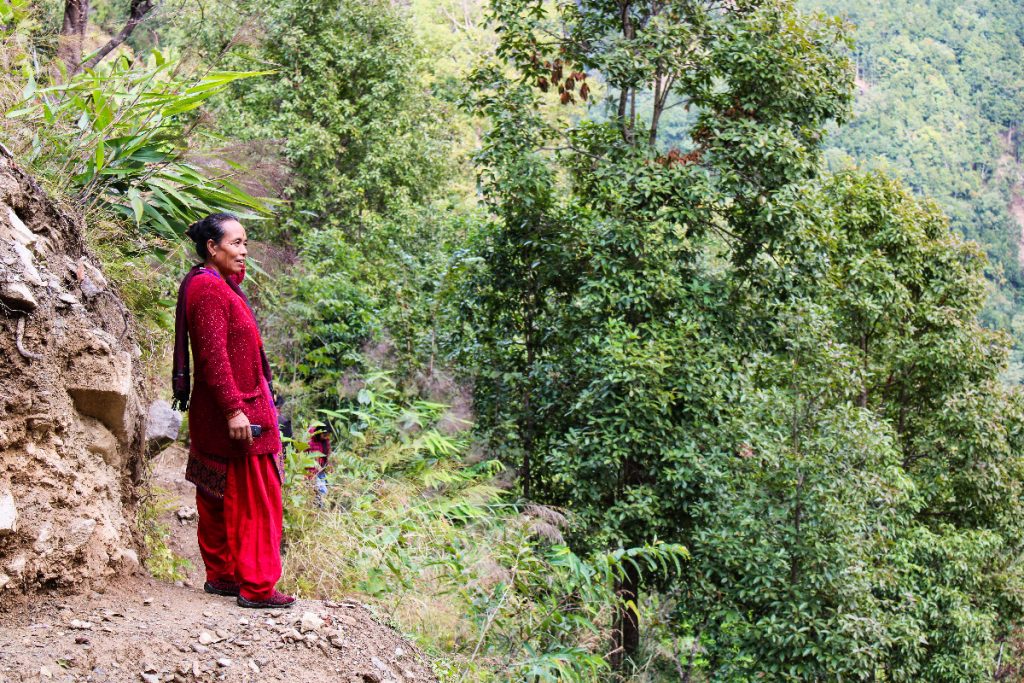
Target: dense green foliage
357 134
360 152
736 418
782 371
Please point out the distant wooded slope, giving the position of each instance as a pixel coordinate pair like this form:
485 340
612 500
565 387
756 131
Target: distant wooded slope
941 103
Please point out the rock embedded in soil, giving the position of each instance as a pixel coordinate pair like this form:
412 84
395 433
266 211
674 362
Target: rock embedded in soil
15 229
18 295
90 278
29 273
311 622
8 513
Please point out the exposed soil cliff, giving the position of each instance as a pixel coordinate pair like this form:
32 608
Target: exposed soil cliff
71 418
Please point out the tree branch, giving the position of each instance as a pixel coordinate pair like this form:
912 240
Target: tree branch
136 14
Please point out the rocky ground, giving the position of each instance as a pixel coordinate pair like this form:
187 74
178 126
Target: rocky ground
141 629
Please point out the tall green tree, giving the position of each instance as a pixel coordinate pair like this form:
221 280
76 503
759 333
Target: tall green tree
767 84
361 145
355 128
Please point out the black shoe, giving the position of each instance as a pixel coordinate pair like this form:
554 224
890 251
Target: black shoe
228 589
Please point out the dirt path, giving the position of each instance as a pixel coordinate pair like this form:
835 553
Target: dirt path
140 629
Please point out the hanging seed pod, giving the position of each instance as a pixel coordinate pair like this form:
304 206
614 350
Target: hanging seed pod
543 84
584 91
567 98
570 84
579 75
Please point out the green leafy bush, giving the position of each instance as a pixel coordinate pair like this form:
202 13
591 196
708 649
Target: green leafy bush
120 137
485 584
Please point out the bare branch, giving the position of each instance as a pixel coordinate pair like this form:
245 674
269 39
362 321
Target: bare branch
136 14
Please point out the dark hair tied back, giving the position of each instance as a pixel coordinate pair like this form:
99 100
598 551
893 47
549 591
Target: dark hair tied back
209 228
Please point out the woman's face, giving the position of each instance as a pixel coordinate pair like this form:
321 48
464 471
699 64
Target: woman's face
228 255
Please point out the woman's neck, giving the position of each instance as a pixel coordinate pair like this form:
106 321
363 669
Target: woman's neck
210 265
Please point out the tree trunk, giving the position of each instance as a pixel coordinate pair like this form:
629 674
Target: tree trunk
72 34
652 136
529 419
662 88
136 14
626 630
627 94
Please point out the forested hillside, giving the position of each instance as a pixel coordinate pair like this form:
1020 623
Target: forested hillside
648 332
940 103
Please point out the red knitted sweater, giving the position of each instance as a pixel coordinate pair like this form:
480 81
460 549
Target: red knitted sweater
228 372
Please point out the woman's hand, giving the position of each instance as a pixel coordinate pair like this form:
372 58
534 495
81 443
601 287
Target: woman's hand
238 428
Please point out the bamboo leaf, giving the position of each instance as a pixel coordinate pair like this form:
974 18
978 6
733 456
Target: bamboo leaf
137 204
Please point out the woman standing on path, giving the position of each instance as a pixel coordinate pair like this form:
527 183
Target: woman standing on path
235 454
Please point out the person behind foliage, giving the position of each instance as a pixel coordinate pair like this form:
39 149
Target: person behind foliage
319 442
235 458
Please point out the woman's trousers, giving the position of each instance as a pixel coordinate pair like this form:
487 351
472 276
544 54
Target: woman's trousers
240 536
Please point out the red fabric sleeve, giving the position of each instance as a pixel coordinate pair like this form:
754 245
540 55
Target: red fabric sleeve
208 317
